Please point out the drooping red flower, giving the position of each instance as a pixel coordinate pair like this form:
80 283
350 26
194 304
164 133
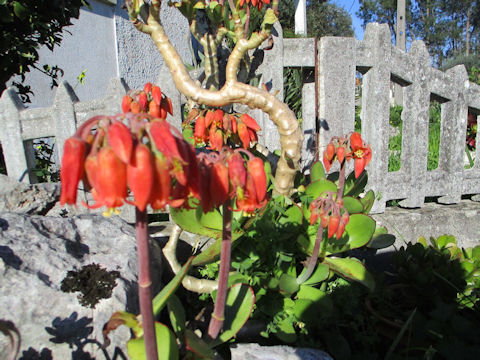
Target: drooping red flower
140 175
120 139
74 152
256 170
161 183
219 183
110 180
361 154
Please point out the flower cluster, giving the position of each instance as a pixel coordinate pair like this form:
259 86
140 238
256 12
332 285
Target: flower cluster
255 3
144 156
215 127
228 175
149 100
343 148
332 214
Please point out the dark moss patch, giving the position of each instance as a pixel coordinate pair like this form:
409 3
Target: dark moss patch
93 282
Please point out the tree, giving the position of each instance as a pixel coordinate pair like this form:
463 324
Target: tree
323 19
25 25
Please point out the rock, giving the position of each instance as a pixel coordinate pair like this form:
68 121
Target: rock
36 253
257 352
25 198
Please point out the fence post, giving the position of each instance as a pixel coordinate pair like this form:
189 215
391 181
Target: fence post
452 141
63 115
375 112
112 100
415 127
336 88
11 135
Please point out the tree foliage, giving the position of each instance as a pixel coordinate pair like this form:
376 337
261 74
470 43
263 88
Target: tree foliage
448 28
323 19
25 25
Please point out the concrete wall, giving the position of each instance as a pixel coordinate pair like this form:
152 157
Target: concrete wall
104 42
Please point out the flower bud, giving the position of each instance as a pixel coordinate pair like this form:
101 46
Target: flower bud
333 225
120 139
140 176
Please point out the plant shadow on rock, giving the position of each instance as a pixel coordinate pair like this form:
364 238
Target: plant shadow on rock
73 331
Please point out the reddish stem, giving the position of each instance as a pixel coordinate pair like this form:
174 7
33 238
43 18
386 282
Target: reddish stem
216 322
341 180
145 285
312 260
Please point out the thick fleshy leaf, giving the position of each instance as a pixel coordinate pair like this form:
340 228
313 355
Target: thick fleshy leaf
286 331
212 220
166 345
351 268
160 300
315 189
367 201
352 205
358 233
317 172
176 312
355 186
288 284
238 308
381 239
198 346
213 251
320 274
122 318
293 215
188 221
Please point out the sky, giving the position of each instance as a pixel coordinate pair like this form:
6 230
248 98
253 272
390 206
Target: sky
351 6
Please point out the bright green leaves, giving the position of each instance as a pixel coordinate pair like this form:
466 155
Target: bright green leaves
352 269
166 345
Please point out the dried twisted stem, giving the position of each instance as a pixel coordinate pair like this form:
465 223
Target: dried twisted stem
236 92
189 282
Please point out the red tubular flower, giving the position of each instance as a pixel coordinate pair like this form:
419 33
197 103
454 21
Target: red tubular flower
126 102
234 125
72 169
326 162
219 184
236 171
330 151
199 132
227 122
333 225
161 185
157 95
135 107
189 166
164 139
208 118
218 118
250 122
205 170
256 169
140 176
244 135
361 154
110 180
341 154
341 226
154 109
143 101
216 138
166 107
120 139
148 87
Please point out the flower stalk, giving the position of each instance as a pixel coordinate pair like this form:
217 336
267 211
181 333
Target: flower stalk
145 285
218 315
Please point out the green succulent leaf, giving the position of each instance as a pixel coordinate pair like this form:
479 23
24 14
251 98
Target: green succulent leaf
367 201
353 269
211 220
319 274
160 300
198 346
293 215
176 313
286 331
288 284
238 308
315 189
317 172
354 187
166 345
352 205
381 239
358 233
188 221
